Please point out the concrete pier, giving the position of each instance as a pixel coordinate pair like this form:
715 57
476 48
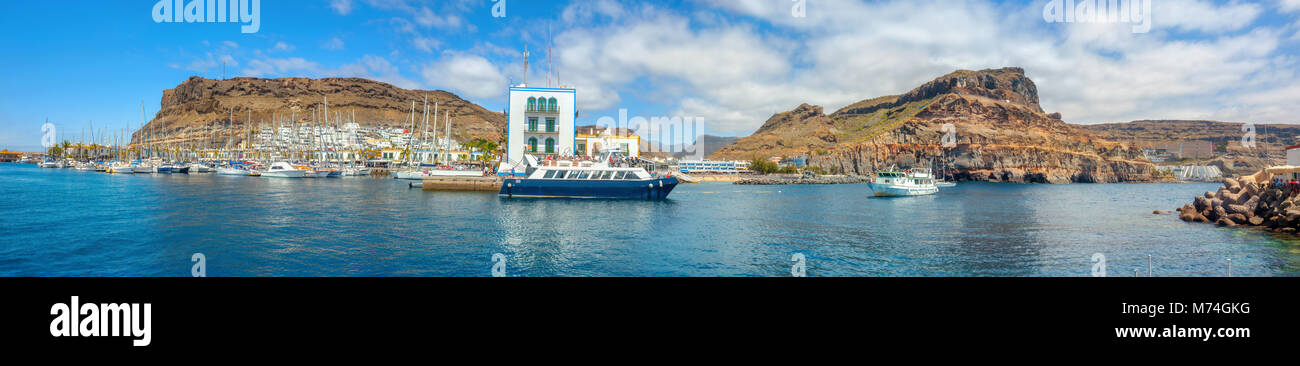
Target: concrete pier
477 184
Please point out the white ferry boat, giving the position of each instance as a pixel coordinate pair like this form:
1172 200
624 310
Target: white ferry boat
912 182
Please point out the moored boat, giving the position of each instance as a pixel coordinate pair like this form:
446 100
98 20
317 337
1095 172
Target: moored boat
356 172
121 168
596 181
912 182
283 170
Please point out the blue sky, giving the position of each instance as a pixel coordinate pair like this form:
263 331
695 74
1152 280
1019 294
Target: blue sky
730 63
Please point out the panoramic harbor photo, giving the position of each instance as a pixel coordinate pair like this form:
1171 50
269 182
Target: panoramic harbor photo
635 175
623 138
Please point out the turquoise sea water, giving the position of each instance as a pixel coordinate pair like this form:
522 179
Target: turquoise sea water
62 222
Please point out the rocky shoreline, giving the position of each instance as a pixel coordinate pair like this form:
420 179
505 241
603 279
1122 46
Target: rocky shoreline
1246 202
806 178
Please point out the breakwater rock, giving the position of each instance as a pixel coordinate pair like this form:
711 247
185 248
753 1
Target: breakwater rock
1245 202
807 178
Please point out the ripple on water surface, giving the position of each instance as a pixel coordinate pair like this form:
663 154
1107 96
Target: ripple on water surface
62 222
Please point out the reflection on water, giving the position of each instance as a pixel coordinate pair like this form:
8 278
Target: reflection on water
61 222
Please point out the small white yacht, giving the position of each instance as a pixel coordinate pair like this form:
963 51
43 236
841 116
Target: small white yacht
356 172
911 182
283 170
121 168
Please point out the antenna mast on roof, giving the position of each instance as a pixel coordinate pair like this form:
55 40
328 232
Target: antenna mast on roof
549 68
525 63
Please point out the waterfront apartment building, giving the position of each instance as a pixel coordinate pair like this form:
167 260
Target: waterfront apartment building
712 167
540 121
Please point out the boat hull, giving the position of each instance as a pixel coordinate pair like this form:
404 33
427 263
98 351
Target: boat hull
889 190
284 174
652 189
420 175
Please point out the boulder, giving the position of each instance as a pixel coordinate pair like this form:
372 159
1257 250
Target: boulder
1256 221
1201 218
1252 189
1219 213
1232 198
1236 209
1201 203
1251 205
1224 222
1209 194
1237 218
1231 183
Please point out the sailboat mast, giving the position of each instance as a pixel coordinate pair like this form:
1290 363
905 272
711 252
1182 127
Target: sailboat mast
447 136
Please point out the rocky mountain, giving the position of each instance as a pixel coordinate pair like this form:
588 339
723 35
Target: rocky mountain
1233 154
1148 133
198 109
989 120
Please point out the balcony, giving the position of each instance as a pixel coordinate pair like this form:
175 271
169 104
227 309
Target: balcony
541 109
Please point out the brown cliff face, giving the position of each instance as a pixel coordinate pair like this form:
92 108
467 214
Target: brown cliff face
196 111
999 134
1233 155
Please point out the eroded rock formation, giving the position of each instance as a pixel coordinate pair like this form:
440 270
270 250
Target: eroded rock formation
975 125
197 110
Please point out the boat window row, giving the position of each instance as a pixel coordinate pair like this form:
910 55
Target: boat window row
591 174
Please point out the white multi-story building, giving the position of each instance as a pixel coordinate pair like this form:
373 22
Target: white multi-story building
541 122
714 167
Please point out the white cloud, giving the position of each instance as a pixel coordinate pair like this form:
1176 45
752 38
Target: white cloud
282 47
467 75
1204 16
600 61
333 44
380 69
425 44
427 18
368 67
1288 5
343 7
735 76
281 66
